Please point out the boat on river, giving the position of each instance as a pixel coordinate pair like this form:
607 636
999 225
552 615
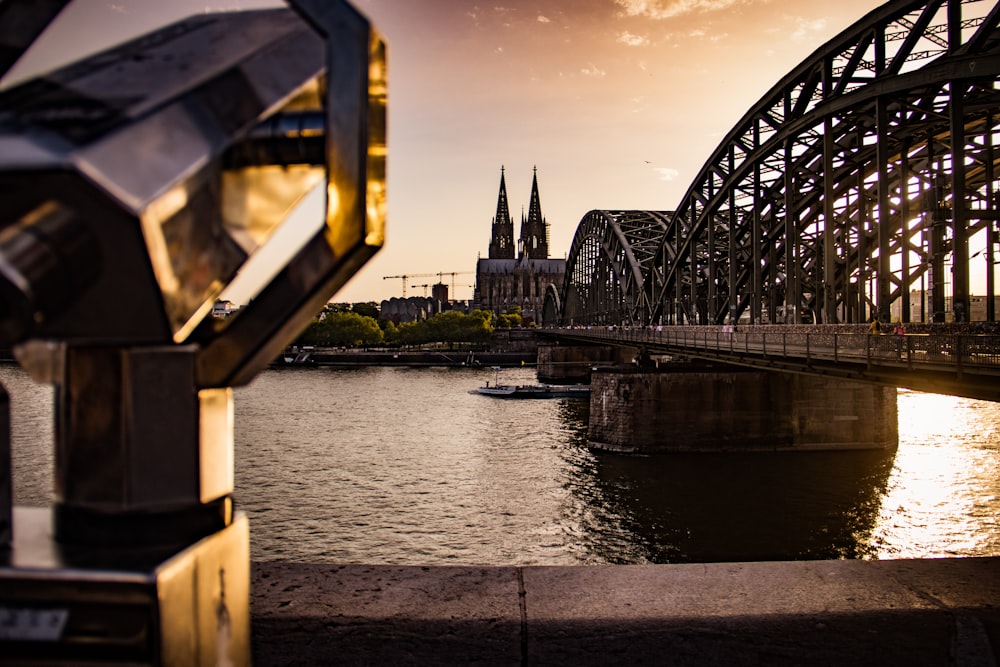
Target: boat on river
534 391
531 390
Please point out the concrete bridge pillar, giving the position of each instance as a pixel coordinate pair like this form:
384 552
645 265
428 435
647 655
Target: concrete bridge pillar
566 364
688 407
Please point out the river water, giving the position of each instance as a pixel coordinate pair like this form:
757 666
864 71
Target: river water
404 466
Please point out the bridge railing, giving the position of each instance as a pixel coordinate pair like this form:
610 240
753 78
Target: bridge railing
953 350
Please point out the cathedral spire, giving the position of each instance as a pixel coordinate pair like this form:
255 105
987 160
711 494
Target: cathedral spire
534 230
502 241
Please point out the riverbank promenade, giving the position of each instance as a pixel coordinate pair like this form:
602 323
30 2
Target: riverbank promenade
904 612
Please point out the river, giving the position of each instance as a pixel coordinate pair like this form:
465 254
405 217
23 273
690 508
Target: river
404 466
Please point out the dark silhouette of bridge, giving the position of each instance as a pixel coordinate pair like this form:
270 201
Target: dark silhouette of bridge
867 174
946 363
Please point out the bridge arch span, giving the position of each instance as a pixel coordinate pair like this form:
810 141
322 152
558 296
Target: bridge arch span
606 267
867 172
865 183
551 306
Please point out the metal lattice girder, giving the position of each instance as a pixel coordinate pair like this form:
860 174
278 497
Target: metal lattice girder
867 171
611 257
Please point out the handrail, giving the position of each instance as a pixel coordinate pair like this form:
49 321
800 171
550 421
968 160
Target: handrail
962 352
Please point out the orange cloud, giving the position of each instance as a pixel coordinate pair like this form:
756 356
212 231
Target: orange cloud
665 9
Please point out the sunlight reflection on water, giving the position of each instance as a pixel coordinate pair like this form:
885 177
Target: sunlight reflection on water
944 494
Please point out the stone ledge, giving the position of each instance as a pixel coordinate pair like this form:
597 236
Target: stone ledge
916 612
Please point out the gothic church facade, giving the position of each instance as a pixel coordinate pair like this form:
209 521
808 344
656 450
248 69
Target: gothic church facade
518 275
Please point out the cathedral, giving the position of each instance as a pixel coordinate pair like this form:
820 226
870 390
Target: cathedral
518 276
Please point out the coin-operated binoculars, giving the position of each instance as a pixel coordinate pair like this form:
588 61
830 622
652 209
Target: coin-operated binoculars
136 185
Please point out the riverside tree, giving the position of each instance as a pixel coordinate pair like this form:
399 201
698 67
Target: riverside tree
449 327
366 309
512 318
342 329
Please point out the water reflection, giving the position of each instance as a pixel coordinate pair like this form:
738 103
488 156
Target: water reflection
32 450
936 496
741 507
944 495
705 507
404 466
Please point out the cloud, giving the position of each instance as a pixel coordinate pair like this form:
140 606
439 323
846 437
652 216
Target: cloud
629 39
806 29
701 33
666 173
502 16
543 19
593 70
665 9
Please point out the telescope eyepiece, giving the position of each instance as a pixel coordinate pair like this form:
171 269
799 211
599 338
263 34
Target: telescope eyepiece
47 258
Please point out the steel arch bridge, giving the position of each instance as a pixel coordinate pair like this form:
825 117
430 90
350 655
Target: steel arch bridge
611 254
869 172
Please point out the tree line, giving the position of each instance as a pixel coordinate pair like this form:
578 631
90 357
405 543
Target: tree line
359 325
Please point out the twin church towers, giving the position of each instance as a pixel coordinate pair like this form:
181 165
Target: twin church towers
518 276
534 241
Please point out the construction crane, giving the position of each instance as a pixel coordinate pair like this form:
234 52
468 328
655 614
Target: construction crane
440 276
425 286
405 276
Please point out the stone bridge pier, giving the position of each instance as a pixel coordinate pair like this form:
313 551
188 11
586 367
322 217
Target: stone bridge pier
697 407
568 364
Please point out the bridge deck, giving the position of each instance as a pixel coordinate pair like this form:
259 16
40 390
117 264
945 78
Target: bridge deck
963 365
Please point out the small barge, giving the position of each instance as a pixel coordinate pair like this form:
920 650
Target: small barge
531 390
534 391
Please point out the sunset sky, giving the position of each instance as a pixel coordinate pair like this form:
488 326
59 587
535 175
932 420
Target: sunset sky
617 102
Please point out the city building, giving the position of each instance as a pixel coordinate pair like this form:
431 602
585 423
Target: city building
517 276
418 309
921 308
411 309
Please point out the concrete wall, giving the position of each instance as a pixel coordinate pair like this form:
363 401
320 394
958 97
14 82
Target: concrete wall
696 408
520 340
573 363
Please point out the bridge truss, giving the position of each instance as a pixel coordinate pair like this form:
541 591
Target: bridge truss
611 254
868 172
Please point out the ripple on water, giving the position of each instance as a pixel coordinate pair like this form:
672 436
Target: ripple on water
404 466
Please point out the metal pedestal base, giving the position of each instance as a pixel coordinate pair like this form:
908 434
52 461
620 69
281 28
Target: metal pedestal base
73 605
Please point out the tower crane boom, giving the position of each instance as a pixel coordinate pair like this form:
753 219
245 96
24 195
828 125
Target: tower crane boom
440 276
